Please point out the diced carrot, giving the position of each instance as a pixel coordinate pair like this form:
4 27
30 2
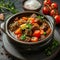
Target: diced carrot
32 21
41 32
18 31
31 18
24 18
19 21
36 24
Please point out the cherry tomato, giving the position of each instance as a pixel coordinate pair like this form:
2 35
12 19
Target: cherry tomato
46 10
57 19
50 8
47 2
34 39
54 6
18 36
54 12
37 33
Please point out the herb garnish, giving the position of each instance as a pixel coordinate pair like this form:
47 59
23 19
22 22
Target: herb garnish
49 50
44 33
29 26
40 17
23 37
8 6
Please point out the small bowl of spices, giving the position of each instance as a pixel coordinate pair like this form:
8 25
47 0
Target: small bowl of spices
32 5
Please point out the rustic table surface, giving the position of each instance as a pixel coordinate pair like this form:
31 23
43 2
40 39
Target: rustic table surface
5 55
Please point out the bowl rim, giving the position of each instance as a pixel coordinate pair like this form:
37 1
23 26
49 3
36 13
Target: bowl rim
22 42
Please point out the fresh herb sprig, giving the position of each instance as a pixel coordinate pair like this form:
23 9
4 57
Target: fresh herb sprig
49 50
8 6
40 17
23 37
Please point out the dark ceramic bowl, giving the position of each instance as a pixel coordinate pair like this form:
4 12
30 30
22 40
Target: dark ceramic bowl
38 9
28 45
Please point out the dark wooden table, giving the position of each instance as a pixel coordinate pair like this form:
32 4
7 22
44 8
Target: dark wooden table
5 55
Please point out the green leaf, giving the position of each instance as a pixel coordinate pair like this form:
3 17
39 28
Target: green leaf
23 37
29 26
44 33
40 17
49 53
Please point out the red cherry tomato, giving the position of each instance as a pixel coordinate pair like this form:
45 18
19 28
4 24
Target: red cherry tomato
18 36
54 6
46 10
54 12
34 39
47 2
37 33
57 19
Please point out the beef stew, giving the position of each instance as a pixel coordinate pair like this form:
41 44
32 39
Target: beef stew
30 29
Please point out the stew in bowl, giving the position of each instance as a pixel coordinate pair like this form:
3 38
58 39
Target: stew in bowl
31 28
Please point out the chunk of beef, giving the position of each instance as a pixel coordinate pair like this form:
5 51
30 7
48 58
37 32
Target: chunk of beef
27 39
21 21
42 37
38 21
33 16
35 27
13 26
44 26
16 18
28 32
48 31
